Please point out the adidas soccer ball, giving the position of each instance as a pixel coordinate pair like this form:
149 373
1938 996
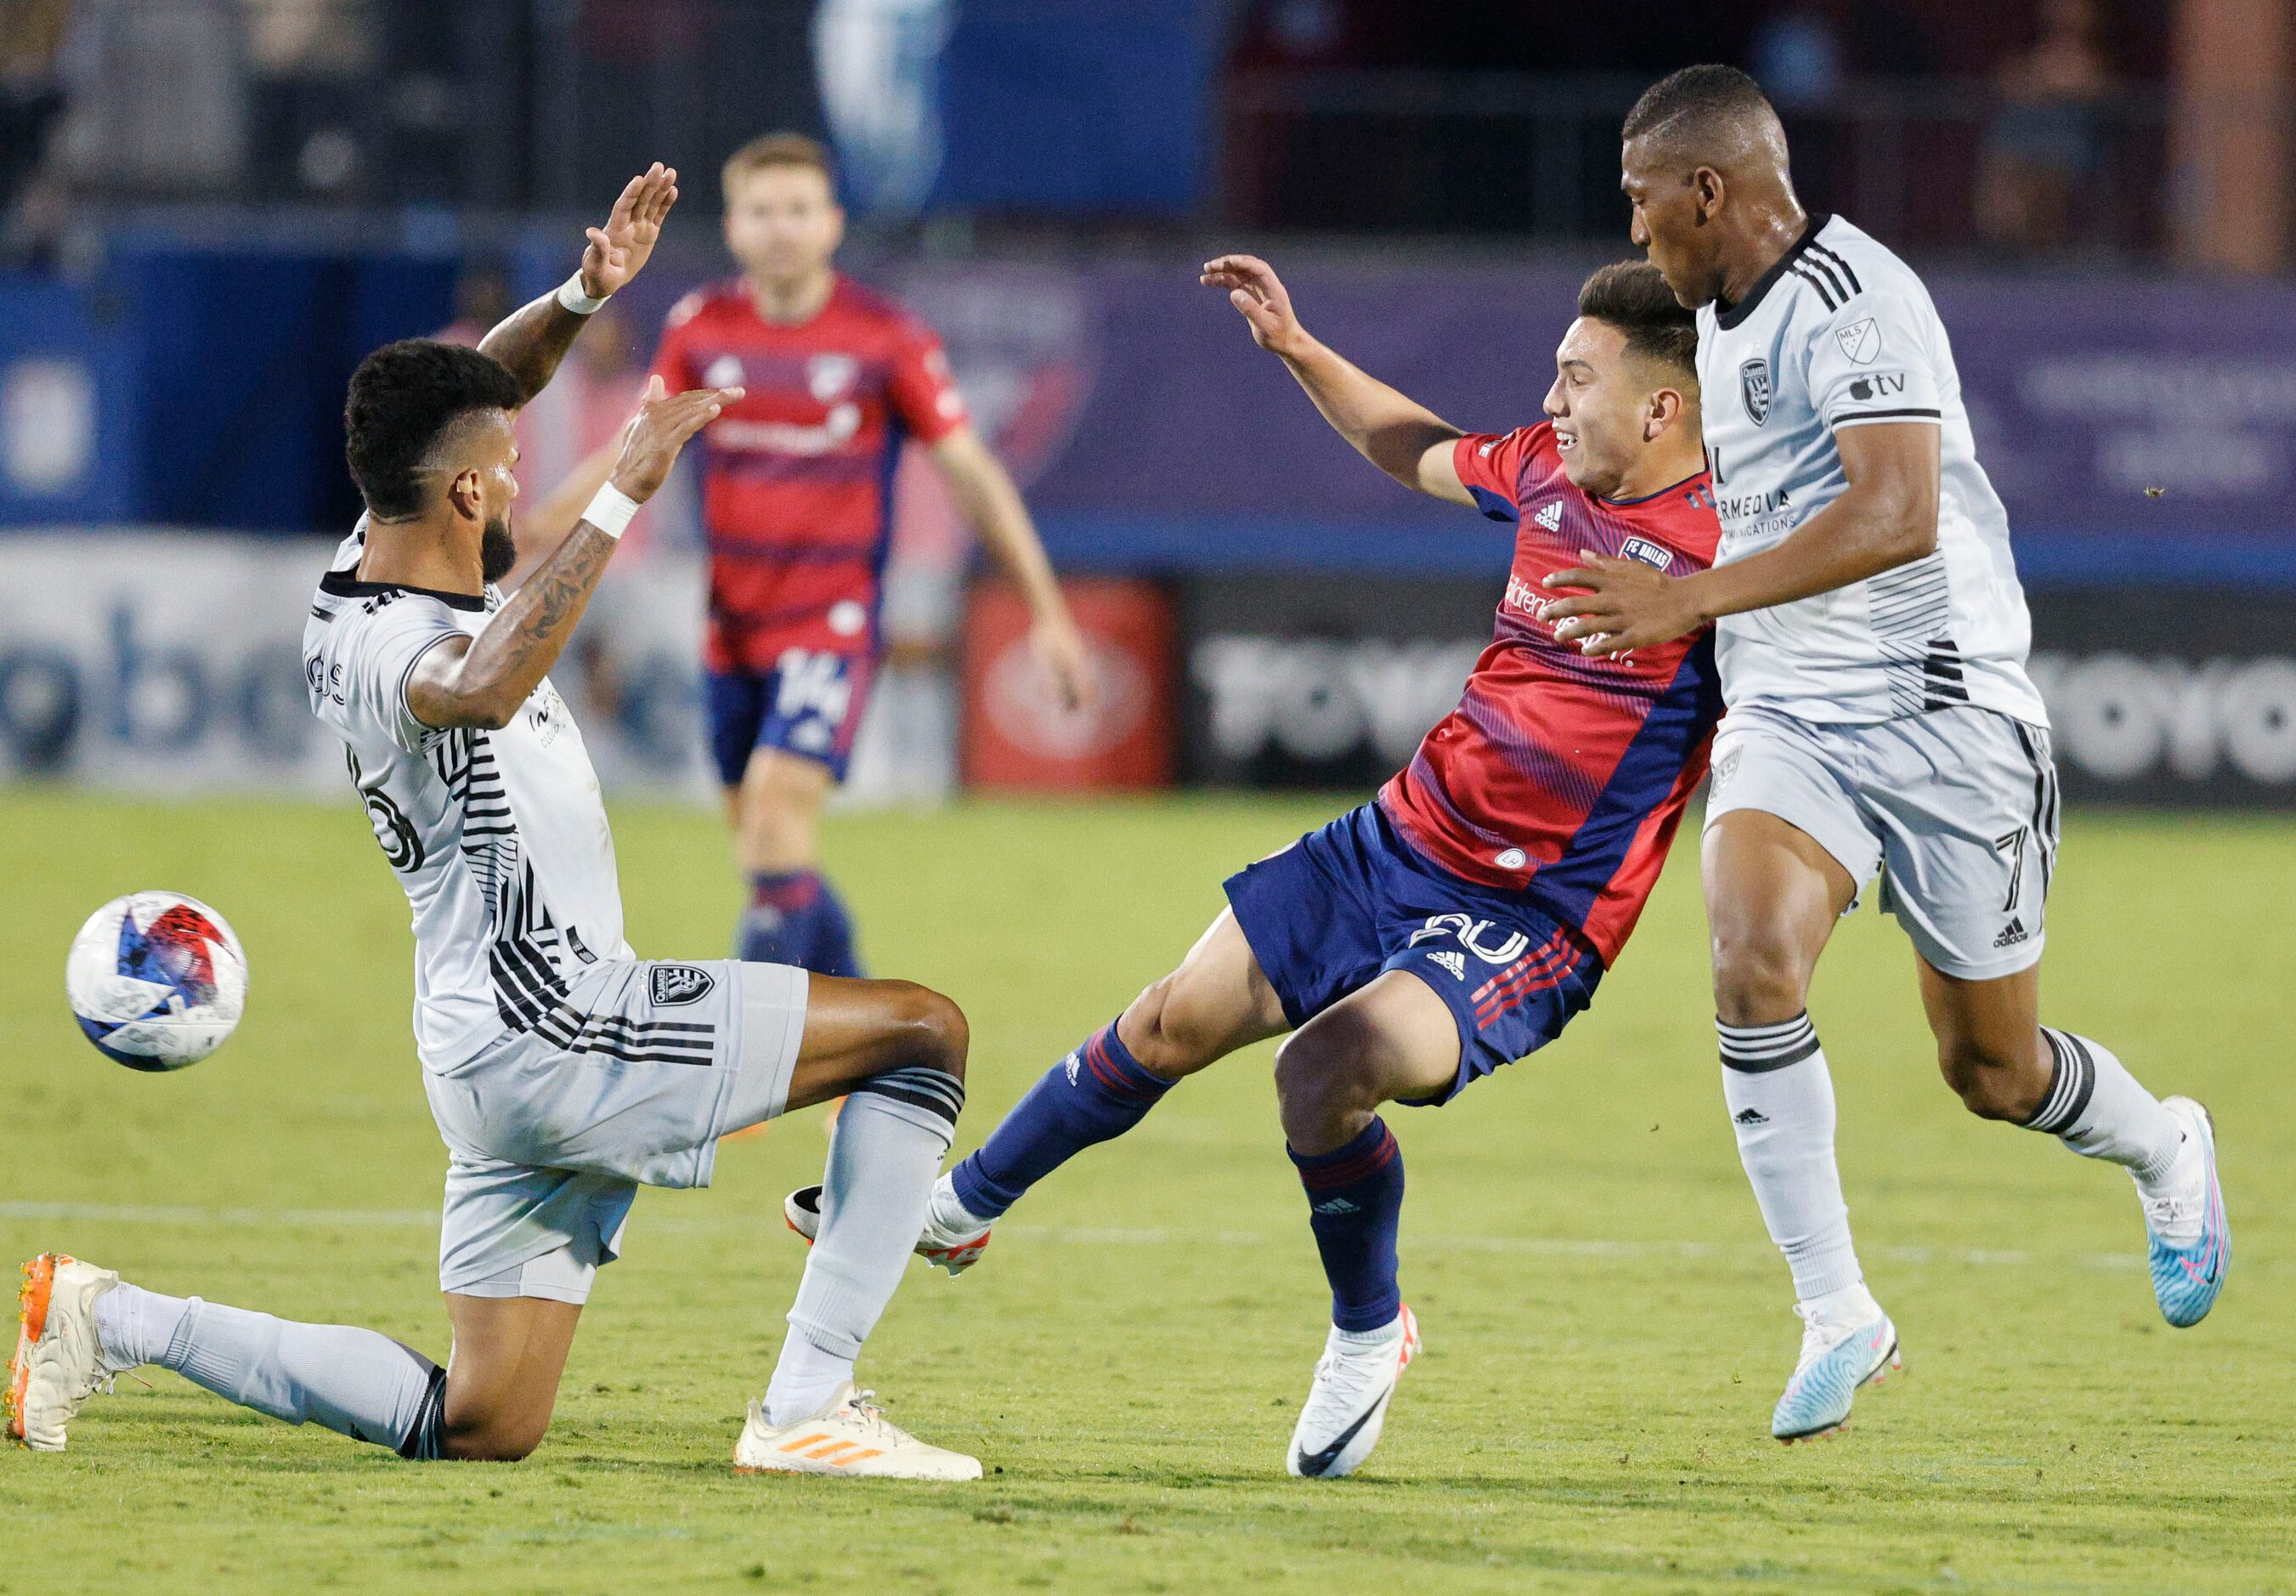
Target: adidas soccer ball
157 980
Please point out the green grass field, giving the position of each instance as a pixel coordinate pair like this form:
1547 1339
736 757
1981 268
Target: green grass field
1606 1326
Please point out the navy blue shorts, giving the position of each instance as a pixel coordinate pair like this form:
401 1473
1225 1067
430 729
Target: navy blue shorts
809 704
1344 904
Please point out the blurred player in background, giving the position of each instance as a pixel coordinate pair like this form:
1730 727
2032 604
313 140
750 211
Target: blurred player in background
1871 638
563 1070
1420 941
797 504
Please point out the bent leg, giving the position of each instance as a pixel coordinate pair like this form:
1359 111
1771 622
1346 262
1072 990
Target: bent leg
895 1051
1216 1001
1773 896
502 1379
1395 1040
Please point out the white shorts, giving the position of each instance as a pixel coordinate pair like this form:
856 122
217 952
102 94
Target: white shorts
1956 809
629 1081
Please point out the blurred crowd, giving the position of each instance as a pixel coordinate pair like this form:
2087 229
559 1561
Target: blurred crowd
1965 126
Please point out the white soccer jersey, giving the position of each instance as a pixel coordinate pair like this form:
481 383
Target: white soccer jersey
499 837
1841 333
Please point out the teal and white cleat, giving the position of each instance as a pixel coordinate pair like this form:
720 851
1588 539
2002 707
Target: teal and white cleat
2191 1240
1834 1363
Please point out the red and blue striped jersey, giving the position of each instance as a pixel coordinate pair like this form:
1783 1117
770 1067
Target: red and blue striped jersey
797 476
1560 776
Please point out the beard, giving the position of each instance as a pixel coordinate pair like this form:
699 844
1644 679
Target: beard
498 551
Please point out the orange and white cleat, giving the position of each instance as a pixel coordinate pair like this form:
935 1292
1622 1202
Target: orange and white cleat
850 1436
940 1246
59 1363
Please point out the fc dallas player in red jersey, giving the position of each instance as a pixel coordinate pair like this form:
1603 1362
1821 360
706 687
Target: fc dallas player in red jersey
1458 922
796 495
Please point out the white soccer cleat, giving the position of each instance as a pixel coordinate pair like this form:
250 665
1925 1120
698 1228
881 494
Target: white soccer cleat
1836 1360
59 1363
940 1246
850 1436
1347 1406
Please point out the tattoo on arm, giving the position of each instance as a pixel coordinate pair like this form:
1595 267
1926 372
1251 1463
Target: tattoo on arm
509 658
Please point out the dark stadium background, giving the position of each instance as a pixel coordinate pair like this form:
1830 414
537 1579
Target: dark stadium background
210 209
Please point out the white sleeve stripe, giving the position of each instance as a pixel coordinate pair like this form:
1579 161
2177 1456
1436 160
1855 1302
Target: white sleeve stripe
407 675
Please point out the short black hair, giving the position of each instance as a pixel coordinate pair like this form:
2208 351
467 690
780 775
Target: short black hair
1698 107
403 399
1632 296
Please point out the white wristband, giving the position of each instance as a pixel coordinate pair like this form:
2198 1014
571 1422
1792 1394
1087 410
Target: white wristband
610 510
571 296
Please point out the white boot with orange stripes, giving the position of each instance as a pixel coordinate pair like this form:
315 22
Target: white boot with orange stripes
851 1435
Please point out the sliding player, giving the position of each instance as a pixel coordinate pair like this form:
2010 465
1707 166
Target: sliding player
564 1072
1872 639
1458 922
797 499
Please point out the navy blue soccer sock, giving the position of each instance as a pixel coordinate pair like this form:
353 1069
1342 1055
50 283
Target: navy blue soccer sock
1355 1201
783 922
832 952
1098 1092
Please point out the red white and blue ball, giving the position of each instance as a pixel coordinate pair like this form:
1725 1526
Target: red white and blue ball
157 980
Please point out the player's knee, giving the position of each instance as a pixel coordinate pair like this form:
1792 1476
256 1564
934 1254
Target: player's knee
926 1028
1169 1034
494 1440
1322 1075
1992 1081
1758 978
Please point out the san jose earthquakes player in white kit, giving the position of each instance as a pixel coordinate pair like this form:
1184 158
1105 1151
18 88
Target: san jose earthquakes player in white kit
1872 637
563 1070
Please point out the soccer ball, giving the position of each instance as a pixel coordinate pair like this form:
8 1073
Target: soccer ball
157 980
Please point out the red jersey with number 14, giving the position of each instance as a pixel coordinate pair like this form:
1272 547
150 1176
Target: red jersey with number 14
797 476
1560 776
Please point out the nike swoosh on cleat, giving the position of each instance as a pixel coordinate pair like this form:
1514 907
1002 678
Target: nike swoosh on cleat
1317 1464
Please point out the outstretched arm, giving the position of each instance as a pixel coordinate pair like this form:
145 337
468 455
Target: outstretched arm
985 491
482 681
1394 432
1886 517
535 337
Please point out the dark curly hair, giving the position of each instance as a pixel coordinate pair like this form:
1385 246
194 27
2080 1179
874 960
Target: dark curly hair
1632 296
403 399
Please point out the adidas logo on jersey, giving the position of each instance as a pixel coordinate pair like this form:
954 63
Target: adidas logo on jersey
2012 933
1336 1205
1456 963
1550 517
1751 1117
1073 1064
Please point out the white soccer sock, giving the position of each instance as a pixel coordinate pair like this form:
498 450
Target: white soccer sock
2100 1110
1364 1341
891 1138
357 1383
135 1325
1780 1100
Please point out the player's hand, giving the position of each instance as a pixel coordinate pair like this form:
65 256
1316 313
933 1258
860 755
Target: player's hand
1259 294
1623 604
1065 658
663 426
618 251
